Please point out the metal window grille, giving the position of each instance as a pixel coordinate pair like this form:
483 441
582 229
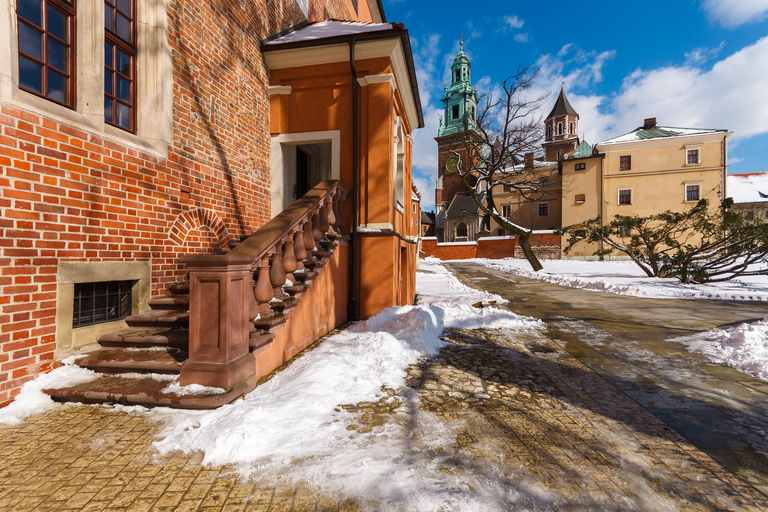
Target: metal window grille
97 303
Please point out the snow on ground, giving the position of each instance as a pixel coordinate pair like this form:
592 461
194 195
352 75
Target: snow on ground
626 278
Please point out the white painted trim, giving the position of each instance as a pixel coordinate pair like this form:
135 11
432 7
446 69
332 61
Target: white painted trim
377 225
279 89
294 139
698 183
378 79
692 147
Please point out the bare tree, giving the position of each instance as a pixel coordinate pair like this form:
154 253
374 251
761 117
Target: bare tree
507 127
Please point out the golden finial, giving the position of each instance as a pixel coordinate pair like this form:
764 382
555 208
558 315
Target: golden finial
461 41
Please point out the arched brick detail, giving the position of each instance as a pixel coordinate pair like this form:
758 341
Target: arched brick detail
194 219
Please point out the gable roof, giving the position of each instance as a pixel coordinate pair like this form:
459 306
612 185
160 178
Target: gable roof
463 206
562 107
659 132
427 218
748 188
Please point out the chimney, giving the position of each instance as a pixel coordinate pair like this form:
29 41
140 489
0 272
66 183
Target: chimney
529 160
649 123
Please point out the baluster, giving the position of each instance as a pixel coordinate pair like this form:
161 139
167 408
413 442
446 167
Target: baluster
331 216
339 210
317 233
263 290
289 257
309 239
253 305
276 272
299 248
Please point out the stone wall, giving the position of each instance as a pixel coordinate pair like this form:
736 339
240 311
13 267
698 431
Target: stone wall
491 247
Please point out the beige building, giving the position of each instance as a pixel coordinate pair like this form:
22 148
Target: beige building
646 171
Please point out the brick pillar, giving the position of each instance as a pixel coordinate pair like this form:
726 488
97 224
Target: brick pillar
219 297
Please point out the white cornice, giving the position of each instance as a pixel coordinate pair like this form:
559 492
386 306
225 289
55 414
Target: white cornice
378 79
279 89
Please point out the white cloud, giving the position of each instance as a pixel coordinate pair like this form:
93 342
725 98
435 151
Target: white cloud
700 55
522 37
513 22
732 13
426 187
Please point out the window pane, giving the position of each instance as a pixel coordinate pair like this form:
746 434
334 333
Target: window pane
108 107
123 116
123 89
31 10
57 86
123 28
30 41
109 18
58 24
30 74
108 82
123 63
125 6
57 55
108 56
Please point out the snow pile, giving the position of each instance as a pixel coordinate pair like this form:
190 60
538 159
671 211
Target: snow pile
744 347
31 399
626 278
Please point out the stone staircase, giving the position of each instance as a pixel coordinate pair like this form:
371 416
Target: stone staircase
141 365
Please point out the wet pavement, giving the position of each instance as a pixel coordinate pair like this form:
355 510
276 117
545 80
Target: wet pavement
627 340
498 420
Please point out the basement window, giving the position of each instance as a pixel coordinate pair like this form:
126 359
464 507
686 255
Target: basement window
101 302
580 198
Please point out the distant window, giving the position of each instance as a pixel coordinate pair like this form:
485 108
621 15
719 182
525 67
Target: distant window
507 188
46 49
580 233
506 210
458 75
97 303
570 128
580 198
692 192
414 207
625 232
461 230
455 112
581 167
543 209
625 163
559 154
500 232
625 196
692 156
120 63
559 128
543 183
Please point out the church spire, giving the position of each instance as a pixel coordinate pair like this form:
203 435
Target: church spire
561 127
460 99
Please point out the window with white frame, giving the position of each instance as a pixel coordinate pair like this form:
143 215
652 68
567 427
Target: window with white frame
625 196
692 155
399 164
506 210
692 192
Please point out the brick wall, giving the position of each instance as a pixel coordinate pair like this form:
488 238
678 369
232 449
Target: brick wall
69 195
492 247
544 246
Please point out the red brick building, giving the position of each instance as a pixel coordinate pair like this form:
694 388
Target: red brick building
133 133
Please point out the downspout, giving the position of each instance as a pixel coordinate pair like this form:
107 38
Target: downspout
724 163
602 203
352 308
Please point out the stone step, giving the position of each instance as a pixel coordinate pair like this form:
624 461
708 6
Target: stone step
297 290
177 338
128 360
179 288
146 391
272 323
174 302
160 319
260 341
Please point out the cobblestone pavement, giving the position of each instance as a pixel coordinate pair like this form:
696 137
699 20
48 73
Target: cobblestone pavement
528 423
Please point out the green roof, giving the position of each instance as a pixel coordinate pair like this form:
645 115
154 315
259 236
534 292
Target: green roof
654 133
582 150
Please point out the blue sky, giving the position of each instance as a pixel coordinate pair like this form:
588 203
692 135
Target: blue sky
696 64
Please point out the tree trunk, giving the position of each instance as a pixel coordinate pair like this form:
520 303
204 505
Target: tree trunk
526 247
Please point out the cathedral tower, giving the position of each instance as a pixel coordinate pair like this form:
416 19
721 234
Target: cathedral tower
458 122
560 129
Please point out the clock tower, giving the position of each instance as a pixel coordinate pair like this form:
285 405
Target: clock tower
457 123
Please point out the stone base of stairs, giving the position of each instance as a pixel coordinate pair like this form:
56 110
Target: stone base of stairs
143 390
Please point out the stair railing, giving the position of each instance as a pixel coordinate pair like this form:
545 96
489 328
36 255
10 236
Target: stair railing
237 298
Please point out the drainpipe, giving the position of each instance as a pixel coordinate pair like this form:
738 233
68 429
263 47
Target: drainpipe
352 308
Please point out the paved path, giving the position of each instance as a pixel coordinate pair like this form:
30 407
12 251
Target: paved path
503 420
626 340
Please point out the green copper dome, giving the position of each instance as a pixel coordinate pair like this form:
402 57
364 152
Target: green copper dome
460 99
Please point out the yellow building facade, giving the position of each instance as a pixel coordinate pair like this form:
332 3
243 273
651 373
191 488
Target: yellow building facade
647 171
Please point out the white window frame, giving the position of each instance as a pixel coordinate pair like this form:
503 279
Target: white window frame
154 71
398 169
692 148
631 197
692 184
506 211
